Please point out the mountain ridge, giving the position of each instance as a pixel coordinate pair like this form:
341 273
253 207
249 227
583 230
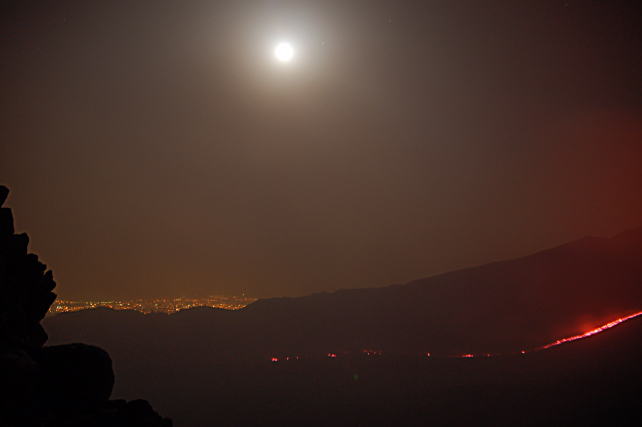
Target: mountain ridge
206 365
503 306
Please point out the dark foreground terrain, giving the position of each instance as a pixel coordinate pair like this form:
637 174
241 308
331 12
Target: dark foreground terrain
592 381
209 366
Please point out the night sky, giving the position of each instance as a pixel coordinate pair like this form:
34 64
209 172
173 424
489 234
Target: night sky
159 149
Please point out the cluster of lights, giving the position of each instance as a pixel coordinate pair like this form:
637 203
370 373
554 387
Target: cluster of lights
160 305
287 359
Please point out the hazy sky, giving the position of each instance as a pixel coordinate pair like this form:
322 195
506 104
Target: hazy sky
158 148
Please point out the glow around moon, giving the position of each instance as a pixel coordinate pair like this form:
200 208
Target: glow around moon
284 52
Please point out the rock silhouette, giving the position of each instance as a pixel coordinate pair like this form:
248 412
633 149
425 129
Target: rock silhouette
66 385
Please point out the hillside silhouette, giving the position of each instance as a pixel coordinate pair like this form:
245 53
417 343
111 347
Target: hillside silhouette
501 307
206 364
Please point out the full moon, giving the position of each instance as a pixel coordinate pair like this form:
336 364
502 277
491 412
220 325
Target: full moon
284 52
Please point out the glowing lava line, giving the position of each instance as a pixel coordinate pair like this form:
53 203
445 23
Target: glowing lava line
593 332
563 340
556 343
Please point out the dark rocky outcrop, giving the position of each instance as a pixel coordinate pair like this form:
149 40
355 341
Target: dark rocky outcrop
67 385
76 375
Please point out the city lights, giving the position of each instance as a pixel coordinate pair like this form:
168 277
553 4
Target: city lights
154 306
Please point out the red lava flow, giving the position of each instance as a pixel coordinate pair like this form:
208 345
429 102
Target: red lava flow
592 332
569 339
558 342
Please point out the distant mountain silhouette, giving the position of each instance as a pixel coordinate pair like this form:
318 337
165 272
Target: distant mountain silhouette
501 307
205 365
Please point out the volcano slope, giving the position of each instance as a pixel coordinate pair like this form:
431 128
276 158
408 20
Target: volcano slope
205 364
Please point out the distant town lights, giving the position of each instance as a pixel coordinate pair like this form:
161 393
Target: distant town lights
162 306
